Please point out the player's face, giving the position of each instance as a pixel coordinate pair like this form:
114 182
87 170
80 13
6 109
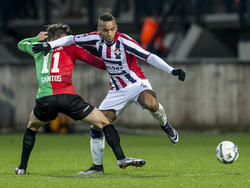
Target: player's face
108 30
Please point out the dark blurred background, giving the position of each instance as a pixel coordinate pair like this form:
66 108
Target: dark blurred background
209 39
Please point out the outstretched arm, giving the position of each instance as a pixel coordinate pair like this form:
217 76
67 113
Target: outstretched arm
82 39
88 39
47 47
89 58
160 64
64 41
95 61
134 48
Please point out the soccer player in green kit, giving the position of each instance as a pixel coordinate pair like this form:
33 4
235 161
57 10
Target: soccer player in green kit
56 94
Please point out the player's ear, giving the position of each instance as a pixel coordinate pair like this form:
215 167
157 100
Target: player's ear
98 29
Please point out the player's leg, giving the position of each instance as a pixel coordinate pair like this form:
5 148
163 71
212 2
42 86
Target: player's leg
43 112
97 140
28 142
113 139
117 104
97 118
148 100
97 146
78 109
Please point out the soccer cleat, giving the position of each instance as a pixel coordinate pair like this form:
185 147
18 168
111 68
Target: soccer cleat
171 132
94 169
124 163
20 171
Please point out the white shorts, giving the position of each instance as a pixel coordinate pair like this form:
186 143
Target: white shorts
118 100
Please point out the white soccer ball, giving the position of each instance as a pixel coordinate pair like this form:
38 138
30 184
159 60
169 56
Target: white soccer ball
227 152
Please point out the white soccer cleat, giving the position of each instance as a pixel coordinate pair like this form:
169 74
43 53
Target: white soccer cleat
124 163
20 171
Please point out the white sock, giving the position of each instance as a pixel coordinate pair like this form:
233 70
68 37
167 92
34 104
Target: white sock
97 146
160 115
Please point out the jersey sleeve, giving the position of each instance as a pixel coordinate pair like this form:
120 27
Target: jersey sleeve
89 39
26 45
159 63
89 58
64 41
132 47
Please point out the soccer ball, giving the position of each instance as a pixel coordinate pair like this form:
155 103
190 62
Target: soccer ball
227 152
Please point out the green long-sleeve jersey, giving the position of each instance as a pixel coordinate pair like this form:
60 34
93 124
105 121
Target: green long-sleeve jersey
26 45
54 71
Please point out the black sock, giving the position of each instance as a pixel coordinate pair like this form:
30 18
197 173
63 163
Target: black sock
28 143
113 140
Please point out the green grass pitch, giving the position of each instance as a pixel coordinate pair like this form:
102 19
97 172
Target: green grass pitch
56 160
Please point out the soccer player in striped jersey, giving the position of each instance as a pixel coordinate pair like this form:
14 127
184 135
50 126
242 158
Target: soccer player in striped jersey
56 94
128 83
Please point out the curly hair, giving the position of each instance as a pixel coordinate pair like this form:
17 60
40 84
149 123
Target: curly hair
55 31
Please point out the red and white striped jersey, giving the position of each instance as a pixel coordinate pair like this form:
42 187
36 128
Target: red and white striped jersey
119 57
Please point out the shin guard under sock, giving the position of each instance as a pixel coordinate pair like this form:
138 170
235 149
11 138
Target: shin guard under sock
113 141
160 115
28 143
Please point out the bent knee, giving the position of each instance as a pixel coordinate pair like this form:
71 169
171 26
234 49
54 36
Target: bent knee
34 126
102 122
153 107
109 114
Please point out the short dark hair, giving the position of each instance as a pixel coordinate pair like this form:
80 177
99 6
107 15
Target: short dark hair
105 16
55 31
